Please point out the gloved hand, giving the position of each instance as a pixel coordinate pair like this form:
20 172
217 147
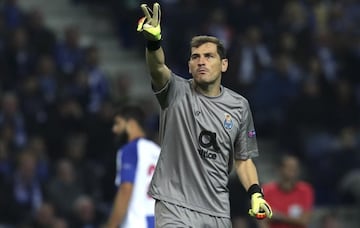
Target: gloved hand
260 209
150 25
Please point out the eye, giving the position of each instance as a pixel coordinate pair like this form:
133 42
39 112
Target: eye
208 56
193 57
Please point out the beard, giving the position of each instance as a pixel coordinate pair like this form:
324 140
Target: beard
121 139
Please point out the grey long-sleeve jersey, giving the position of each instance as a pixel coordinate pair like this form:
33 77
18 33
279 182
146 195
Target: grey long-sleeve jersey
200 138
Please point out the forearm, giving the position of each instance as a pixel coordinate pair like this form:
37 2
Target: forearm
120 207
159 72
117 214
247 173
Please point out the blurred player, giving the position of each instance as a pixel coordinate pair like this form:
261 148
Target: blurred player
204 127
292 200
136 162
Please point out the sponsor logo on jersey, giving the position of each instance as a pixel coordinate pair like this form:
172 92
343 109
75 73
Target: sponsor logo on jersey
228 122
206 154
209 146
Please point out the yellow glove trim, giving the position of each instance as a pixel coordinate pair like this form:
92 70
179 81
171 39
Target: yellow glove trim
260 209
150 25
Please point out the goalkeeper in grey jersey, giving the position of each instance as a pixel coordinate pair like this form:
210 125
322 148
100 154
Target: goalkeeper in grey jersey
204 128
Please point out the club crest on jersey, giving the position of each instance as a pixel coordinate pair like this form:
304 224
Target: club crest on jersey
228 122
251 134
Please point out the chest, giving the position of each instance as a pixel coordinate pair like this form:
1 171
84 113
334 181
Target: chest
212 118
293 204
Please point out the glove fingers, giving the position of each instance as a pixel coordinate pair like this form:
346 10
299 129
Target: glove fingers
156 15
255 208
251 212
266 208
145 9
140 24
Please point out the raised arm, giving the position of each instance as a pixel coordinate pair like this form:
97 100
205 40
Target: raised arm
160 73
155 57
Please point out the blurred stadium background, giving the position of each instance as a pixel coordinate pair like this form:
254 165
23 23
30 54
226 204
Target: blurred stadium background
66 64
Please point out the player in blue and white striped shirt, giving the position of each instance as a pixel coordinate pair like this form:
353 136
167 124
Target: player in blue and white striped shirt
136 162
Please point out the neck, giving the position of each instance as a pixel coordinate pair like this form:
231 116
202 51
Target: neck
136 133
287 185
210 90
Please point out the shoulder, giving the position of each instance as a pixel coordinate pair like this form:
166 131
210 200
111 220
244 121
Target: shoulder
148 146
230 94
179 79
130 147
148 143
304 186
269 187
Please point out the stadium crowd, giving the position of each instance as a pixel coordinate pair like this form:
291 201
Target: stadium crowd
297 61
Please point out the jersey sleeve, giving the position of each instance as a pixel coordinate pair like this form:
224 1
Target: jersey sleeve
246 143
169 92
126 171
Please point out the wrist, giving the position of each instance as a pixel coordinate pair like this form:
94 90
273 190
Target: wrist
152 45
255 188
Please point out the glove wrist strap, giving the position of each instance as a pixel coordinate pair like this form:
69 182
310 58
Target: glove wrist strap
153 45
255 188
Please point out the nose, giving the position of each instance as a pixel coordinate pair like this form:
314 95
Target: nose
201 61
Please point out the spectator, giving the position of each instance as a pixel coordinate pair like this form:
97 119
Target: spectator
78 88
69 54
33 105
41 37
64 188
24 192
254 56
14 15
88 171
273 92
20 59
330 220
6 162
98 85
3 43
60 223
12 119
85 214
67 117
44 216
37 146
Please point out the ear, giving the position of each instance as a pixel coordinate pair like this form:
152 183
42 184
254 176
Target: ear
189 67
132 124
129 125
224 65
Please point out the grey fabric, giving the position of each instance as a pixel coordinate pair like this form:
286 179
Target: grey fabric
173 216
200 138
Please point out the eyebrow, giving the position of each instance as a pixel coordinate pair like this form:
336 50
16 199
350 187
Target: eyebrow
205 54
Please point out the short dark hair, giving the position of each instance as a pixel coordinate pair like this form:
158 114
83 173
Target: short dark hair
133 112
197 41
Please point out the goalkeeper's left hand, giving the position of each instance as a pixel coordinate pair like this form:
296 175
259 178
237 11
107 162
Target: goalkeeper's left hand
260 209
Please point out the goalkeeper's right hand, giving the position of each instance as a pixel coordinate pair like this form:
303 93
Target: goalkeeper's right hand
150 25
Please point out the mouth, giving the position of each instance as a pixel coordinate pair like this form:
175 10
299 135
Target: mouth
202 70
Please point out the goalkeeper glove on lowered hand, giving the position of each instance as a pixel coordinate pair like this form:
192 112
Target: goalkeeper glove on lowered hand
150 25
260 209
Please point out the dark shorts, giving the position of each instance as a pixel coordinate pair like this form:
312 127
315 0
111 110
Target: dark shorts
169 215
